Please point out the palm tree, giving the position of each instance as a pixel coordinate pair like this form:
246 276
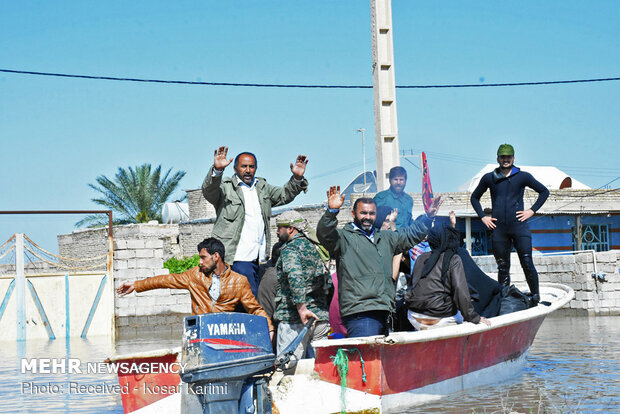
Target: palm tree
136 195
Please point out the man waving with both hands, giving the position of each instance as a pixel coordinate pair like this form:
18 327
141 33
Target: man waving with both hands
243 205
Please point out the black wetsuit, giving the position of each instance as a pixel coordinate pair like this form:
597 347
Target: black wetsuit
506 200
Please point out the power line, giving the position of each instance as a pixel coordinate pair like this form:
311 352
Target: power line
342 168
411 162
275 85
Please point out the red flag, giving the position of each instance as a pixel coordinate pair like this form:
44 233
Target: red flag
427 190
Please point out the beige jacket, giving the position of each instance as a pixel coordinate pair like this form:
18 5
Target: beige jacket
227 198
234 288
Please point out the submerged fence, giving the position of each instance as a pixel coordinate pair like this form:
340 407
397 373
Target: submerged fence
45 295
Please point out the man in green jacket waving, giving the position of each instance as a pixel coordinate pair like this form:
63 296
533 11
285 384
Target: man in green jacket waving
363 256
243 206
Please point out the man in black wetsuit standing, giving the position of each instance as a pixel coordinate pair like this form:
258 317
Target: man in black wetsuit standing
509 219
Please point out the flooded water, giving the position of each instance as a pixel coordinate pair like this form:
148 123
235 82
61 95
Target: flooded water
573 366
23 391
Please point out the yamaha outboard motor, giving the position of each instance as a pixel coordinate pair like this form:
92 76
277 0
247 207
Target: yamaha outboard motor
229 361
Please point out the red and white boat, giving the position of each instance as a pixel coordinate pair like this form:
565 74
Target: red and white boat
398 371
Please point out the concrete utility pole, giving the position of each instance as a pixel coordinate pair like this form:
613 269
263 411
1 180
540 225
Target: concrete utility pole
384 87
363 131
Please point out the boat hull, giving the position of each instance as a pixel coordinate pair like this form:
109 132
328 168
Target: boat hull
399 367
404 368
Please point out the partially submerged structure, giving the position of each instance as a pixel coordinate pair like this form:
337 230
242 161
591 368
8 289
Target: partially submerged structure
571 219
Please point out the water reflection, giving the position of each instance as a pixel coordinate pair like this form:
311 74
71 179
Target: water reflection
35 392
573 366
85 392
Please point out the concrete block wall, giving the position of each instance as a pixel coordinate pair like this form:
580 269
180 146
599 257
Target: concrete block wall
139 252
83 244
199 207
141 249
193 232
592 297
87 243
30 268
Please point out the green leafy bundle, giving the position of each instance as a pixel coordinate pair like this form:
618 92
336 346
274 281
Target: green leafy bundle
181 265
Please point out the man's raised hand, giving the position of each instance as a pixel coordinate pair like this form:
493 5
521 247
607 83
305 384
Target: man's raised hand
220 161
299 168
434 207
393 215
453 218
334 199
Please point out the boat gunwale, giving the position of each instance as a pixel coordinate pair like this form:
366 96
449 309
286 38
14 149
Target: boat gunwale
398 338
466 328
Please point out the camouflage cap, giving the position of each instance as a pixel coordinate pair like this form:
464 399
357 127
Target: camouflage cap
292 218
505 149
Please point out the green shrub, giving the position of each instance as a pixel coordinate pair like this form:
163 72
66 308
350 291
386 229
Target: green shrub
181 265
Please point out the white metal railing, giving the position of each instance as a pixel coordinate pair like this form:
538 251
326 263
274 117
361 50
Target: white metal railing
53 316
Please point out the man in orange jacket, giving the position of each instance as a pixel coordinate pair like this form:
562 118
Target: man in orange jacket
212 285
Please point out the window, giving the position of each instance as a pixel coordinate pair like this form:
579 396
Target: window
479 243
593 237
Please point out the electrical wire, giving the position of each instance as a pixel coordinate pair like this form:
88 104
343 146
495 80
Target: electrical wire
275 85
411 162
448 156
340 169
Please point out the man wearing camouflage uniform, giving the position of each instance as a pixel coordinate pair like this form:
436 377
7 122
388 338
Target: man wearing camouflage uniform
301 284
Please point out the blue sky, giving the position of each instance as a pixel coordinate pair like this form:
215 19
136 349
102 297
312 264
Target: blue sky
59 134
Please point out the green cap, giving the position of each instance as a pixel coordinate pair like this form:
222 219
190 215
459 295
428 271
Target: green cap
505 149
